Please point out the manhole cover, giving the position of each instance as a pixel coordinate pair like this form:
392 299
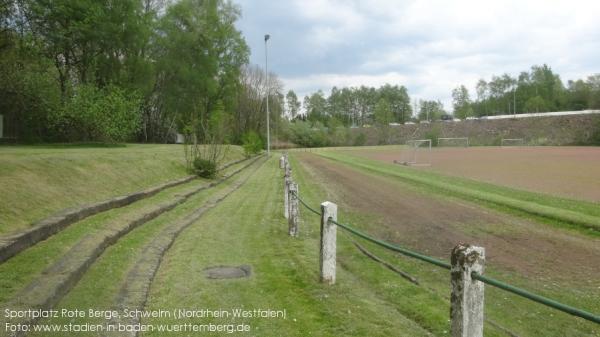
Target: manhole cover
224 272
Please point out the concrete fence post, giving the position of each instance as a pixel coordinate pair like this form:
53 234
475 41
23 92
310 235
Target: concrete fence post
287 169
286 196
328 242
466 307
294 209
281 162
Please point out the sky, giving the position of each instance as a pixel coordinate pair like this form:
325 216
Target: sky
430 47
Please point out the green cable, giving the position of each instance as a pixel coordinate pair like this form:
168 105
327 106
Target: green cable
488 280
537 298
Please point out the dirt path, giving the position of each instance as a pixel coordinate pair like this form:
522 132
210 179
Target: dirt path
433 225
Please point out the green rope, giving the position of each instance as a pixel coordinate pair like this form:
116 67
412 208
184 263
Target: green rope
393 247
537 298
306 205
488 280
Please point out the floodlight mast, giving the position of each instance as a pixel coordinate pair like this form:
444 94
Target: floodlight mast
267 36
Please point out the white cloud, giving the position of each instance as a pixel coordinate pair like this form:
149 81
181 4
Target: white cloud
433 46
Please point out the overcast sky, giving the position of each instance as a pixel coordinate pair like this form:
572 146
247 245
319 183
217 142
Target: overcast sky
428 46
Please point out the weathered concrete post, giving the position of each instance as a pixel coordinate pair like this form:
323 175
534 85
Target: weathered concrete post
328 242
466 301
294 209
286 196
281 162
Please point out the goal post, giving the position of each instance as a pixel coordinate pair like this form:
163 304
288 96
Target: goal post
509 142
454 141
417 153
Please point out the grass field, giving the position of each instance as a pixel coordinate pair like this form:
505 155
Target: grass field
241 223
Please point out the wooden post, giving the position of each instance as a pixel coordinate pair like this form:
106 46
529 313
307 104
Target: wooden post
466 301
328 242
293 218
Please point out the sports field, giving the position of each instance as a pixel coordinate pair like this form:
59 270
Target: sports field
572 172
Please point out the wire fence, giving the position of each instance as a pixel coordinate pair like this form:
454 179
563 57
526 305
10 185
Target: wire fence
485 279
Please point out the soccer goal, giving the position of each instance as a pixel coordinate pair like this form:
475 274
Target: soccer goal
417 153
508 142
454 141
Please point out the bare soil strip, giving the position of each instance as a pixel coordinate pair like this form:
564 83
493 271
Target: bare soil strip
136 286
435 224
56 281
43 229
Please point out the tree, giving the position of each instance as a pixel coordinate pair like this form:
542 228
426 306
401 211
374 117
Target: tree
461 102
430 110
293 104
383 113
315 106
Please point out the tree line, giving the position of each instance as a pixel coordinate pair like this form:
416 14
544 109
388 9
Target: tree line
353 106
536 90
129 70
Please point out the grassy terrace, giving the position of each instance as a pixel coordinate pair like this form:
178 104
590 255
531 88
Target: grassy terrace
38 181
21 269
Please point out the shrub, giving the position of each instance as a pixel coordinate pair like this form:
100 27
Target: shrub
252 143
108 115
433 134
205 168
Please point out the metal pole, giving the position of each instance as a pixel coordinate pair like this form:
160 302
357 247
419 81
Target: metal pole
267 36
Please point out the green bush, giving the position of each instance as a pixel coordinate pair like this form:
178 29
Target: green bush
252 143
205 168
107 115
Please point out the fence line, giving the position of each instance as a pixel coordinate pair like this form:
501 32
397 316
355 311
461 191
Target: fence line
465 321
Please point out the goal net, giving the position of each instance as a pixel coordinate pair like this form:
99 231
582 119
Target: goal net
416 153
507 142
454 141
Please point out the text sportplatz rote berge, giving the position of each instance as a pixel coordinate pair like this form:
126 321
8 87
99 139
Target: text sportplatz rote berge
136 313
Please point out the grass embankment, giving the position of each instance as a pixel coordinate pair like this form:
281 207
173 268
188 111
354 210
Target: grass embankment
21 269
38 181
571 213
100 286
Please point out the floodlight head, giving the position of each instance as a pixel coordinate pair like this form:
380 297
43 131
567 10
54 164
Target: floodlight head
267 36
